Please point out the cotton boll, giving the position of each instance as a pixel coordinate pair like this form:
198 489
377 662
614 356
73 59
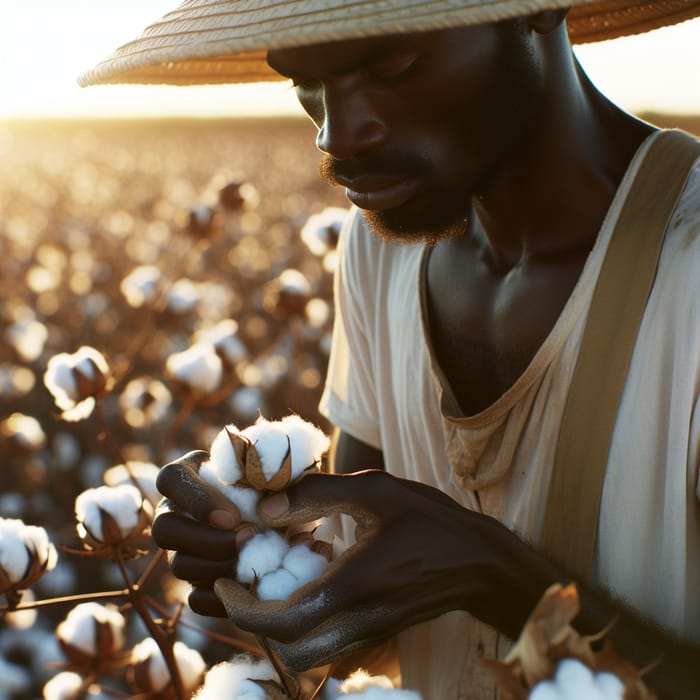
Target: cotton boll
79 629
361 684
250 690
198 367
261 555
304 564
14 555
223 458
610 686
360 680
123 503
546 690
308 443
189 662
231 678
271 444
62 686
245 499
277 585
572 675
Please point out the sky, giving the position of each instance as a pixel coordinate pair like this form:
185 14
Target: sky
46 44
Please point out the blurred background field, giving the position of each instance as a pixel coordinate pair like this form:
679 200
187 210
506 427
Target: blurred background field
218 207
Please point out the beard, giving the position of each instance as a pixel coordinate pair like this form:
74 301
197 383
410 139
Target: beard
420 222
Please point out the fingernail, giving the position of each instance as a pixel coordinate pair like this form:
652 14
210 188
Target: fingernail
245 534
275 506
223 519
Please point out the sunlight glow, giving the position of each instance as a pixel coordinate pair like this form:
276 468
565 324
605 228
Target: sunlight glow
46 44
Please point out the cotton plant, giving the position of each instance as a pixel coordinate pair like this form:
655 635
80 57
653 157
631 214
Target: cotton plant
320 231
264 457
241 678
198 369
66 685
113 518
552 661
76 380
138 473
182 296
148 672
22 433
225 339
26 554
92 637
141 287
144 402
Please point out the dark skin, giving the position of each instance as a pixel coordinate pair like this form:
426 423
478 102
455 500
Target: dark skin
522 183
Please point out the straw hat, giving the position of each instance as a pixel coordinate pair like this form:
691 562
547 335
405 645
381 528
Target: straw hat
225 41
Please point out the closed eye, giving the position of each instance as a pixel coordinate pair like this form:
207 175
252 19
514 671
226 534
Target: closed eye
394 66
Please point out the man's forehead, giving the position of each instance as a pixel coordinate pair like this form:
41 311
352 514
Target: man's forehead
339 56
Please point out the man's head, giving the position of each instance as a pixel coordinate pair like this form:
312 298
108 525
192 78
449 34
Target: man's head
414 125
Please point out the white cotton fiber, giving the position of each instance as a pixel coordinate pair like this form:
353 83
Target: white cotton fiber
271 444
610 686
261 555
277 585
123 503
545 690
234 679
245 499
14 557
307 442
223 458
304 564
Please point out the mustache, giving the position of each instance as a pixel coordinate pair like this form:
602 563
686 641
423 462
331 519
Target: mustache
391 164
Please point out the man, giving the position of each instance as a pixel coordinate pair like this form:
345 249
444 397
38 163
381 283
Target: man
472 134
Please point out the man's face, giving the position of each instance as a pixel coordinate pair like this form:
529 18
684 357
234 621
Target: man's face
415 126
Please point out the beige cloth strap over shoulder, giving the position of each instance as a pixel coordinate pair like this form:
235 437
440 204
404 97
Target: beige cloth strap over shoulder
620 296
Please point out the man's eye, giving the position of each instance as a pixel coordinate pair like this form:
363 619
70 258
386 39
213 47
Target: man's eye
395 66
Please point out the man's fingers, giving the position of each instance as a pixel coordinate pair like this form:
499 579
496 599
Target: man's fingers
196 569
319 495
277 619
180 483
173 531
203 601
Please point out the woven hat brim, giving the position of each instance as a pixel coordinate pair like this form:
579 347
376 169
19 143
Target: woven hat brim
226 41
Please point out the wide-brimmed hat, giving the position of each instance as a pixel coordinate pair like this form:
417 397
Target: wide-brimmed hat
225 41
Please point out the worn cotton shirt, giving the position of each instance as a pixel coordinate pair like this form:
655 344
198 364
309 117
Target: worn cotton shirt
385 388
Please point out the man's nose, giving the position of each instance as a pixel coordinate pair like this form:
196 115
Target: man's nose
351 125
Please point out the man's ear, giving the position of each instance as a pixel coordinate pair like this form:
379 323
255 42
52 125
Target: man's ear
548 20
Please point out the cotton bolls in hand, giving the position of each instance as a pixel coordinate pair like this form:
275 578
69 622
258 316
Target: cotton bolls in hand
268 455
265 457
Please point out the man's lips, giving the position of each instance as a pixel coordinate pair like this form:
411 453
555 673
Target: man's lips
379 192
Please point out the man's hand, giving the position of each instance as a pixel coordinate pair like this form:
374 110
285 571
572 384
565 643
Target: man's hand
418 554
201 529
